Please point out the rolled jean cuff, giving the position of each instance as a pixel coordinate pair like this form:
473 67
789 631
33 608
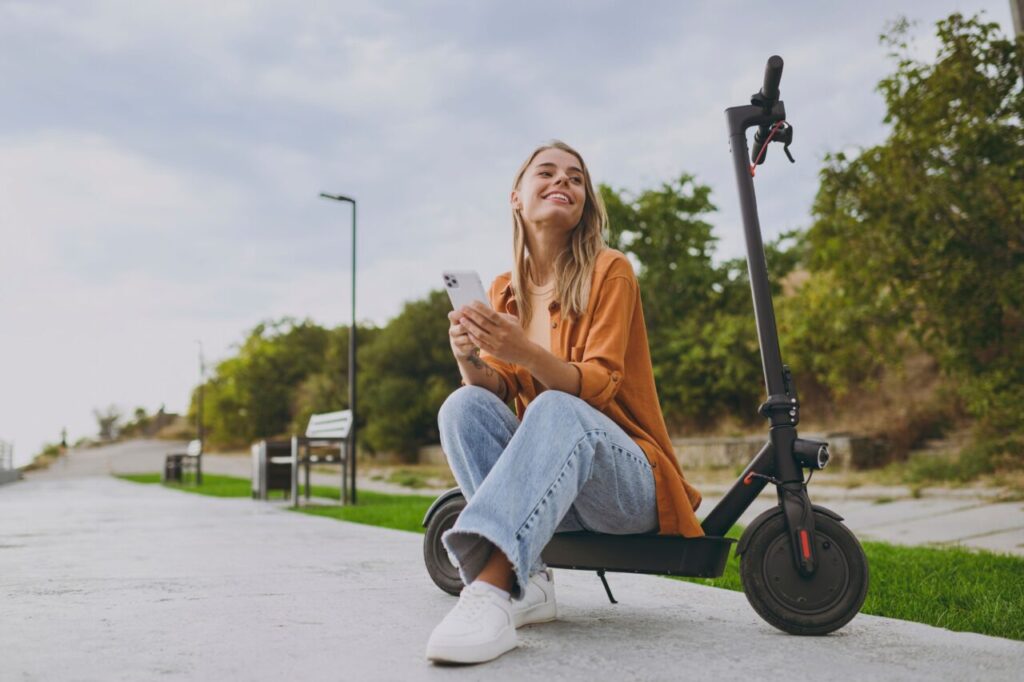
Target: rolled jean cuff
469 545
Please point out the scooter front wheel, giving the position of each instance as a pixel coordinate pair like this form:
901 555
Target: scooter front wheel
815 605
439 566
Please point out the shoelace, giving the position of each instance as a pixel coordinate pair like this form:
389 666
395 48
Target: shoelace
471 601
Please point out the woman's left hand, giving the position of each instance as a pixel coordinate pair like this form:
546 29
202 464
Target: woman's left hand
497 333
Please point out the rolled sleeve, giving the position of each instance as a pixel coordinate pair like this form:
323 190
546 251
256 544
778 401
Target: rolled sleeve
602 364
598 384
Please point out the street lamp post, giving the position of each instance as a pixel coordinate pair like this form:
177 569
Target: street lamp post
351 348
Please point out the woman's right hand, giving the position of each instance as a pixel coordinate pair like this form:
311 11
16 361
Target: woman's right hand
462 347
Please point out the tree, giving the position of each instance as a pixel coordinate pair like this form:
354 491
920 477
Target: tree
664 230
252 394
924 233
138 425
405 376
327 389
700 324
107 420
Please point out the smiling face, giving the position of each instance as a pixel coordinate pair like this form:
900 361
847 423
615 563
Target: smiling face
552 191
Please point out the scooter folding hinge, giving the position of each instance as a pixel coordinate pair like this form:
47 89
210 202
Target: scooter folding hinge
608 590
781 409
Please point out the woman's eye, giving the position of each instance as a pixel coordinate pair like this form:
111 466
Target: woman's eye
544 173
578 181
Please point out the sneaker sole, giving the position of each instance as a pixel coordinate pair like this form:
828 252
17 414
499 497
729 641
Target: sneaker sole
475 653
541 613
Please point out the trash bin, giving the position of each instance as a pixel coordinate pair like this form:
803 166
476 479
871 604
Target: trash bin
257 457
173 468
272 468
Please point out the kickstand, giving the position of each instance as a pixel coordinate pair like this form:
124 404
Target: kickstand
604 581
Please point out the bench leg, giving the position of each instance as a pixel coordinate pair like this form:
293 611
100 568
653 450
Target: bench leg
308 468
343 450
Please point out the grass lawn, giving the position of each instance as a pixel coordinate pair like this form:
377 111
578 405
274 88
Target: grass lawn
403 512
950 588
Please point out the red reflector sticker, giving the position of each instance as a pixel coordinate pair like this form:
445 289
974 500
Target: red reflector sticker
805 545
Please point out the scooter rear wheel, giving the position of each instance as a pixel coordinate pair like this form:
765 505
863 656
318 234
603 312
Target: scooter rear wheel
817 605
439 566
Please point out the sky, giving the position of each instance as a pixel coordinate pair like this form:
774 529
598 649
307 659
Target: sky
161 161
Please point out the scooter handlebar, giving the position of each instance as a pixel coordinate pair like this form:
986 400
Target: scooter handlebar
772 76
767 97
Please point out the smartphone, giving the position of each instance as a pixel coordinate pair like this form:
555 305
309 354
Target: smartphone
464 287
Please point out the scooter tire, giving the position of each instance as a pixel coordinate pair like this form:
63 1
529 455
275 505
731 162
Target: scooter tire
815 605
439 566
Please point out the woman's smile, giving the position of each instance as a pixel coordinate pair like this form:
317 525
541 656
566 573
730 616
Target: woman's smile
558 197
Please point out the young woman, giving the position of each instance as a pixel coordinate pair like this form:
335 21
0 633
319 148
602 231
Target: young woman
565 338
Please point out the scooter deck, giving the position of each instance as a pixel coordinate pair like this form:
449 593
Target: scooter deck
703 557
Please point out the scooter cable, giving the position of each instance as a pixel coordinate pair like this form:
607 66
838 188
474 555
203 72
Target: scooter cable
771 134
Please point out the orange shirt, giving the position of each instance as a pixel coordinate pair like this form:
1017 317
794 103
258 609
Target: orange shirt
609 346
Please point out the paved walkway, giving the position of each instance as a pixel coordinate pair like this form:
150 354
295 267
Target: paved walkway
102 579
967 517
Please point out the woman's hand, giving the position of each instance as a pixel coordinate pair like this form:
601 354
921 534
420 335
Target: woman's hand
463 347
497 333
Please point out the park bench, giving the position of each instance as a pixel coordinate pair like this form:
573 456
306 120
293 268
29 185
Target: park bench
177 464
325 442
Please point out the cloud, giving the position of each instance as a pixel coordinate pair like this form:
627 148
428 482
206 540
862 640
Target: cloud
160 162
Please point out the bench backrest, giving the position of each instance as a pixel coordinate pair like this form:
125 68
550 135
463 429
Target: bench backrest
330 425
194 449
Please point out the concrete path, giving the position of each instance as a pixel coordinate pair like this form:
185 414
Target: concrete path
101 579
943 517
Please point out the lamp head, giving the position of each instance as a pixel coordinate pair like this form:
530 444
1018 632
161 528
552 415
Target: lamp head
337 197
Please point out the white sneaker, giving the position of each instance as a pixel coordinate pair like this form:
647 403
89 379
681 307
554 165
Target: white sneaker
478 629
538 604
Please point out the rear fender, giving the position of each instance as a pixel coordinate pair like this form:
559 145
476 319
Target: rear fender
441 499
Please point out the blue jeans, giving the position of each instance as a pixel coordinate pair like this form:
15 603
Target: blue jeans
566 467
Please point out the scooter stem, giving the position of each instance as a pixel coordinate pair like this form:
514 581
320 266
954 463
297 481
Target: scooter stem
782 406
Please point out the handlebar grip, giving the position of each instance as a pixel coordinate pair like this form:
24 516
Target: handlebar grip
772 76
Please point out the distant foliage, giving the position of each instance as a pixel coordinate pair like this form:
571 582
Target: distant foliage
701 330
108 422
251 394
138 425
286 371
921 238
406 374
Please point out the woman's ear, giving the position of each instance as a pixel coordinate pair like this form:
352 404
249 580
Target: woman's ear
513 199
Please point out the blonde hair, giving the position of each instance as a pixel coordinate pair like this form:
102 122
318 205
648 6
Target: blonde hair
574 267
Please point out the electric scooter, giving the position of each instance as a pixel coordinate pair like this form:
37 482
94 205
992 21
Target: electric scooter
802 570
